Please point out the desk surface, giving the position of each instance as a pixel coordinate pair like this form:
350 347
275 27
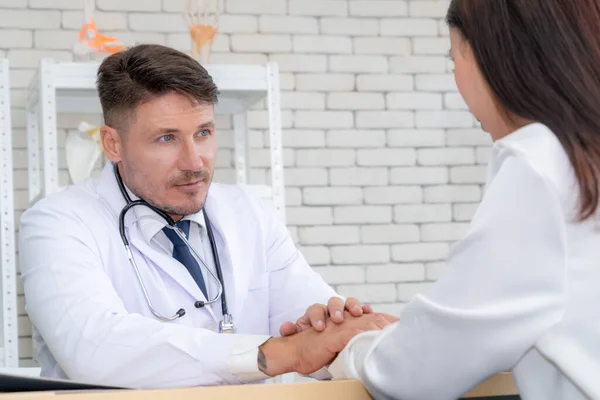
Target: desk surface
500 385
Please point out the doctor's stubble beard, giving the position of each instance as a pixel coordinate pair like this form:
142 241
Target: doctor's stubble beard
185 177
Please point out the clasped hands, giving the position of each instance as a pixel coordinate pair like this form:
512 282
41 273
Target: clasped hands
316 338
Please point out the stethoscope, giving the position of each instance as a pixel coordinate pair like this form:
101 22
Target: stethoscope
227 325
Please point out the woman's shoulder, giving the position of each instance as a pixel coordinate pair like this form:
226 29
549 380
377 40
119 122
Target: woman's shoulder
535 142
539 151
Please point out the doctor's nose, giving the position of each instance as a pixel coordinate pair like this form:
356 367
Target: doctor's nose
190 157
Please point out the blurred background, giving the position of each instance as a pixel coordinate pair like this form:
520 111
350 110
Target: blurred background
383 164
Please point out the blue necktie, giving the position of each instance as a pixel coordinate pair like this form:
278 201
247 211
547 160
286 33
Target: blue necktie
182 253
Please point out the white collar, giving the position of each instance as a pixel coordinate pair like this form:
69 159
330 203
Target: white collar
150 223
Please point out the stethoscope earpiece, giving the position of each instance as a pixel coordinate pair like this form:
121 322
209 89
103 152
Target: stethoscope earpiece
199 304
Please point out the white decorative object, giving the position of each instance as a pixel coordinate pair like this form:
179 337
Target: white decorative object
83 149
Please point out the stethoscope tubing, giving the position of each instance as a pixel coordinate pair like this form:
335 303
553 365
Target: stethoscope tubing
171 224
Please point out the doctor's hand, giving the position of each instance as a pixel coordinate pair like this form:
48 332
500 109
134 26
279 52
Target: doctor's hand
310 350
317 314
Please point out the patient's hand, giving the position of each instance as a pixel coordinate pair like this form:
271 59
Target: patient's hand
309 350
323 346
391 318
316 315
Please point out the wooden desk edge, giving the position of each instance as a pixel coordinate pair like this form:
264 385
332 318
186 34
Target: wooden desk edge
342 390
500 385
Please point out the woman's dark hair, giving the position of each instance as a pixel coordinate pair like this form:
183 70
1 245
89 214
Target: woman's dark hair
541 59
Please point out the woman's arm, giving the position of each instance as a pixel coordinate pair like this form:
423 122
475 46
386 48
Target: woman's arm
505 286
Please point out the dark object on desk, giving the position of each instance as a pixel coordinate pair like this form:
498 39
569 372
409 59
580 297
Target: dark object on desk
494 398
18 383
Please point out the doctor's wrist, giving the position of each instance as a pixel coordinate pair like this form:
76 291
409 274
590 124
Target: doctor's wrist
276 356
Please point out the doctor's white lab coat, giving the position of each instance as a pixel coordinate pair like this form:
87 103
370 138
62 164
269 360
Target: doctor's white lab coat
91 320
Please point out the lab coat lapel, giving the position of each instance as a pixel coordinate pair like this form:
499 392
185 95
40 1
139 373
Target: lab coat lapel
222 213
109 192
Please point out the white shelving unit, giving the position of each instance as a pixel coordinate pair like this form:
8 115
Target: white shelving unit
68 87
9 353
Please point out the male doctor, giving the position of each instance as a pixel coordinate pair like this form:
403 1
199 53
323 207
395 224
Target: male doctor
150 321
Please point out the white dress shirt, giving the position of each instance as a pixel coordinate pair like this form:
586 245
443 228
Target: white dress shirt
521 293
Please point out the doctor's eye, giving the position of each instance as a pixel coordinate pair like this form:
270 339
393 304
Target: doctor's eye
204 132
166 138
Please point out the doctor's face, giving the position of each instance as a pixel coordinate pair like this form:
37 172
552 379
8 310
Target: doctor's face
167 155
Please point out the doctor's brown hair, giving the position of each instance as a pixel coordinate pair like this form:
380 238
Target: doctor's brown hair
141 73
541 59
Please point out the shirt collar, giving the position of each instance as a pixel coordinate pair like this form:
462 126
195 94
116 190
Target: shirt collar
150 223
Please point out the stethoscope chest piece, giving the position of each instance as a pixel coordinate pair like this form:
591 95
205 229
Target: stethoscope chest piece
227 325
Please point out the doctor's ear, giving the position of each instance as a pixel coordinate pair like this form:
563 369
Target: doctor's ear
111 143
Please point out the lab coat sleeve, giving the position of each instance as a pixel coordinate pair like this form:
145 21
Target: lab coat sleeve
505 286
73 305
294 285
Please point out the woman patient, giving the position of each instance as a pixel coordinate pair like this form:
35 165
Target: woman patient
522 290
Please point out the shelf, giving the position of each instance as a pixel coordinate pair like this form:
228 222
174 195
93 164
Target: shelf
9 346
69 87
240 87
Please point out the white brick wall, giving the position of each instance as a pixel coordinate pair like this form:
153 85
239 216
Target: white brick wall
375 8
322 44
392 46
384 165
286 24
256 6
384 83
409 27
355 101
350 26
418 64
321 8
